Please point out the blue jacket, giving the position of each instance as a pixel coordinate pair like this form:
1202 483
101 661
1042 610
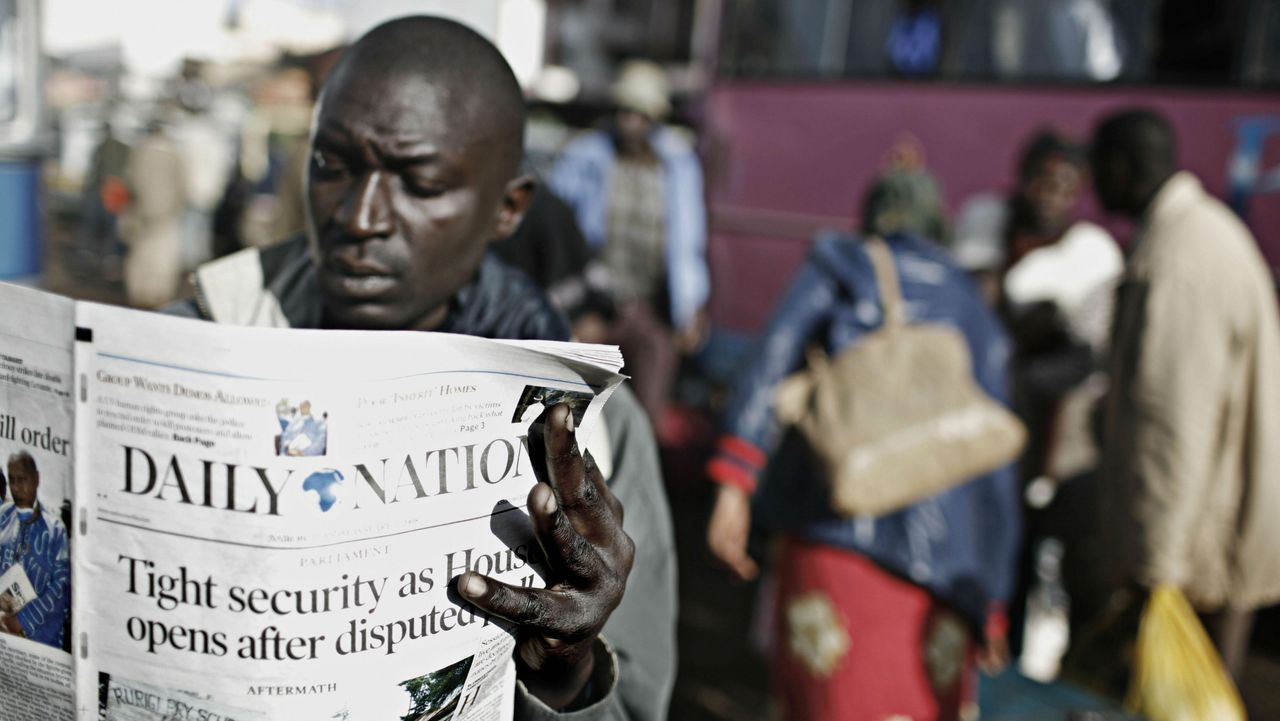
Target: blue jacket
581 178
960 544
40 545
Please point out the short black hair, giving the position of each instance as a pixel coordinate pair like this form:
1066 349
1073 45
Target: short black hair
456 56
1144 137
1047 144
24 457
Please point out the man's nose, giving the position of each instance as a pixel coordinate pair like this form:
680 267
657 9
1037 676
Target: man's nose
367 211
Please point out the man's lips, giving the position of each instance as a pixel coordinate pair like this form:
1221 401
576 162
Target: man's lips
357 267
358 277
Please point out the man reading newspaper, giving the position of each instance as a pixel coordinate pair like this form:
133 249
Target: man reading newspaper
415 152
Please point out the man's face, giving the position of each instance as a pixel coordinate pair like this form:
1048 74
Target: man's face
403 196
633 131
1051 193
23 483
305 408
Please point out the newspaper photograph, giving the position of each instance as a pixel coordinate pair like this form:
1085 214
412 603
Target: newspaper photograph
36 498
274 519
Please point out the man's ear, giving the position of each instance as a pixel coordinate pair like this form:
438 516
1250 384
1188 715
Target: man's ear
515 201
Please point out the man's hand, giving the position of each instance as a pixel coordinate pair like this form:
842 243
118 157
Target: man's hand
728 530
578 523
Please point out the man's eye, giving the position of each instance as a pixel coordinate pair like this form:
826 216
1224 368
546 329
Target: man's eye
422 188
328 166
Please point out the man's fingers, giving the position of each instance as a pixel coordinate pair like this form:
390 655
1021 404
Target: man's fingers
541 610
568 554
597 478
580 498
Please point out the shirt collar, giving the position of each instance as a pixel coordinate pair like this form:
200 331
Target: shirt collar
1179 191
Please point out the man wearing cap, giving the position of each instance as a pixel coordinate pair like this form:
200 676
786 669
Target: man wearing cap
636 190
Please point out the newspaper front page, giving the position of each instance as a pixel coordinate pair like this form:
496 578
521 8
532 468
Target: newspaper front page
271 519
36 532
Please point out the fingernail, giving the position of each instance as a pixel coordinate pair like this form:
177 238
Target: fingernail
549 503
474 586
568 421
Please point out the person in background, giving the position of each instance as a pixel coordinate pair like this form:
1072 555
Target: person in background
875 617
105 196
1190 460
906 198
550 248
152 226
1055 295
636 190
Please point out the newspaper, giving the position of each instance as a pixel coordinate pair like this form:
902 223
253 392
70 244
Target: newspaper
267 522
16 590
36 428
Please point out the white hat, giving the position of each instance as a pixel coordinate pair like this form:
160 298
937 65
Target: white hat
642 87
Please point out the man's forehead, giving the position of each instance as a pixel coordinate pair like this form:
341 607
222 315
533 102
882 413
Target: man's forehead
398 107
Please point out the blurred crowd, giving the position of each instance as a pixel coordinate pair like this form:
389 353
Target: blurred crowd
1142 374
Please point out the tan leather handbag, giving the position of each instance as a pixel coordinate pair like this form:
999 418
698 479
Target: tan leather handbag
897 416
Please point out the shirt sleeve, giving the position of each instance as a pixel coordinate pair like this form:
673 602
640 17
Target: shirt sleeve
687 270
749 424
1185 348
578 179
43 619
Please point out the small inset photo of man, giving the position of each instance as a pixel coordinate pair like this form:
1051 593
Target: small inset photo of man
35 558
544 397
303 430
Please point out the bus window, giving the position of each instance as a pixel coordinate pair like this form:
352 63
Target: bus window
1182 42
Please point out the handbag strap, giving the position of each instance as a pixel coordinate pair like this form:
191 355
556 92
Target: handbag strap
886 280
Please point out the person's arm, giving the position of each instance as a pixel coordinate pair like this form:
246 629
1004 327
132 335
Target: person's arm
687 271
42 620
749 425
636 653
565 665
578 179
998 491
1176 391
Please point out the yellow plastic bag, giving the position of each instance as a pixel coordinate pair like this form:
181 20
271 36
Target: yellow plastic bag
1177 674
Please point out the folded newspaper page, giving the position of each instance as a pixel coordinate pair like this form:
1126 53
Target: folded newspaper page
266 522
36 429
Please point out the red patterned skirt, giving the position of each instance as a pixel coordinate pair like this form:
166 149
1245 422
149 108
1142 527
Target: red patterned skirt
854 643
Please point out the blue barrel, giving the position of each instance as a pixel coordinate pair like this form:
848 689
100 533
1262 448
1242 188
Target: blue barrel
19 219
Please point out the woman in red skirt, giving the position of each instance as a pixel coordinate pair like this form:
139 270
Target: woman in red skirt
874 619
